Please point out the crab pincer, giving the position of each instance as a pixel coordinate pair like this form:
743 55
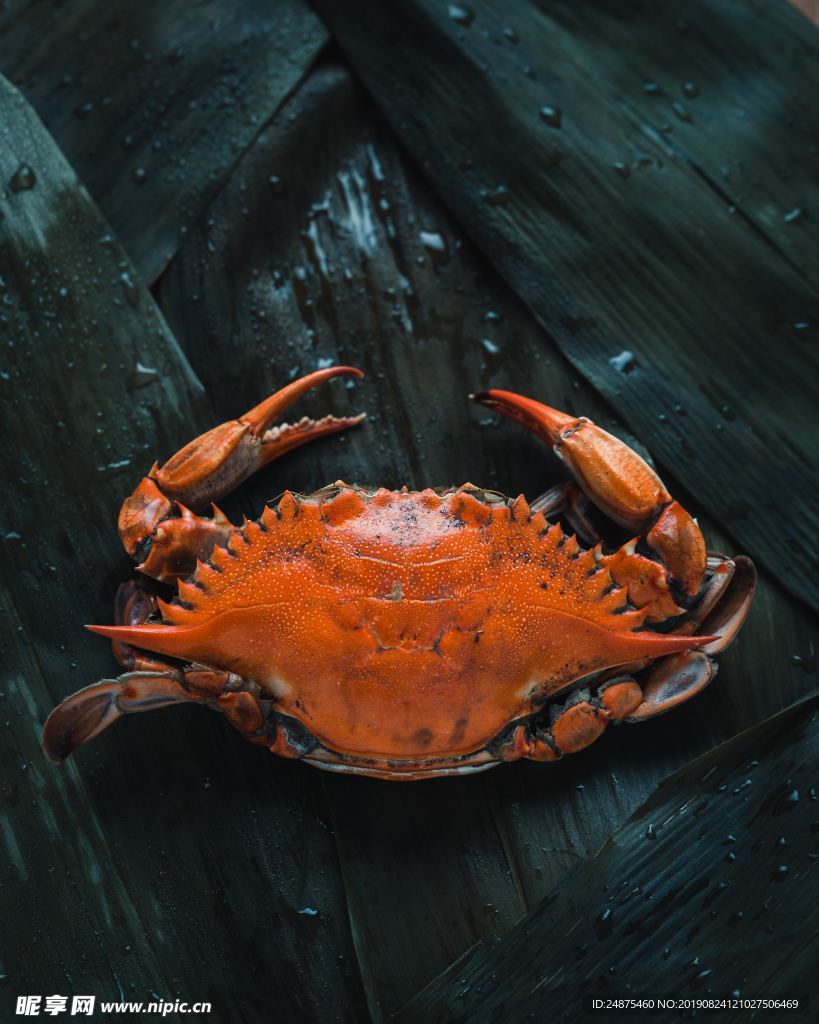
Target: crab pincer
159 523
622 485
618 481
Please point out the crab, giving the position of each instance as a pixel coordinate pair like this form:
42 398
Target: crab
412 634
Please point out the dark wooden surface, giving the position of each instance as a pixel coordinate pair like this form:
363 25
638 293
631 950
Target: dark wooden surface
170 856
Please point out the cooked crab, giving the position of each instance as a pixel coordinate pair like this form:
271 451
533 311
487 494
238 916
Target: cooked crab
411 634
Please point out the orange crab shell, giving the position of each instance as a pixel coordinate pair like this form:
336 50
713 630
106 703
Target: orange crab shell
407 625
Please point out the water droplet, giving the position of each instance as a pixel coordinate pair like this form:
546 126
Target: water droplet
433 240
781 872
276 184
129 290
461 14
650 833
727 412
511 34
604 925
553 116
622 169
139 175
143 375
792 797
806 664
794 216
690 90
84 109
23 180
730 856
490 346
498 197
651 89
309 911
681 111
624 362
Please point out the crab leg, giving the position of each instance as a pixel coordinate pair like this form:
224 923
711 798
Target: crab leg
618 481
158 522
568 500
86 713
134 605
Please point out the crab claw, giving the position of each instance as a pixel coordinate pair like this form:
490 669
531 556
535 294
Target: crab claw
617 480
219 460
158 516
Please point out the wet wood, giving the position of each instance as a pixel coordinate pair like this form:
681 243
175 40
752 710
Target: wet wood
153 103
605 211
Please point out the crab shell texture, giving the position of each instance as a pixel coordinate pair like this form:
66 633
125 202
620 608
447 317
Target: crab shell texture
404 631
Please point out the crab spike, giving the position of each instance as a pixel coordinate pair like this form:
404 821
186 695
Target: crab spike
219 516
157 637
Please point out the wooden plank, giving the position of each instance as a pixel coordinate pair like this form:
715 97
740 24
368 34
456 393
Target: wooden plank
607 227
154 103
158 861
714 905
